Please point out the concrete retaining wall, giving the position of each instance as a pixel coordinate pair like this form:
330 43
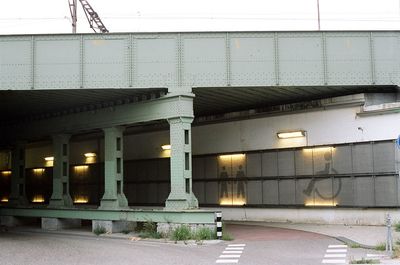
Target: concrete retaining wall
311 216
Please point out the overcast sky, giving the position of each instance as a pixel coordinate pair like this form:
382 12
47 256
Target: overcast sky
53 16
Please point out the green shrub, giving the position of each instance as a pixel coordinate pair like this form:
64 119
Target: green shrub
355 245
125 231
148 230
365 261
98 230
380 247
182 232
397 227
204 233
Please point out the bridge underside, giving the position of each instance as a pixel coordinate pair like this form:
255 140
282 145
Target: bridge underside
70 120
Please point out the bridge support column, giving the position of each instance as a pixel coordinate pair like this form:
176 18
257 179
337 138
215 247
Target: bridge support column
181 196
114 197
18 188
61 196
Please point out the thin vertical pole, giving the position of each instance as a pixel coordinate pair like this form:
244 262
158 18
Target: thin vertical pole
74 16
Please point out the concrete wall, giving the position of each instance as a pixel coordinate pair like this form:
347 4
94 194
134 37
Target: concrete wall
332 126
312 216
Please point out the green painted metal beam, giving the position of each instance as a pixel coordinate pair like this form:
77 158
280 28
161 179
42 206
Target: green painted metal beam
168 107
184 217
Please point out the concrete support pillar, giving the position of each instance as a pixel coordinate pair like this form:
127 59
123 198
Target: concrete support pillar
18 189
58 223
61 196
181 196
113 226
114 197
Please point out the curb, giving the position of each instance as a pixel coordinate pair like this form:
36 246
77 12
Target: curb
122 237
350 242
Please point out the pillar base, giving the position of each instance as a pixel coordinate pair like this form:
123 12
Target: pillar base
18 201
114 204
190 202
59 224
167 228
113 226
12 221
65 201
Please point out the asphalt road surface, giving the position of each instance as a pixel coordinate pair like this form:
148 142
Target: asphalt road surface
253 245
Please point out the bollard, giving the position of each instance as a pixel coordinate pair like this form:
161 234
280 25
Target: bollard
219 224
389 239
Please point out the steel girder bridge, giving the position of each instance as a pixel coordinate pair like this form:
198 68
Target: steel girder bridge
60 85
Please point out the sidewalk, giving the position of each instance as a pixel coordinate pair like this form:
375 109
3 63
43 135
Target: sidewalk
363 235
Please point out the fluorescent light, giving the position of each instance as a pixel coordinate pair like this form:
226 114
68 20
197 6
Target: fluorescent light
5 199
234 201
38 199
38 171
81 199
320 149
166 147
87 155
293 134
6 172
233 156
49 158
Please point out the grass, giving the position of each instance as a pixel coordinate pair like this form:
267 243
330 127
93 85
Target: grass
380 247
181 233
98 230
148 230
397 227
204 233
365 261
355 245
125 231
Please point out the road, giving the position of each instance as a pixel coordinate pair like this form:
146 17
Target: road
253 245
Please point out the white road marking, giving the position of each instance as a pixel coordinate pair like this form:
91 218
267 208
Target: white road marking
335 256
337 246
333 261
232 252
229 256
233 248
236 245
336 250
227 261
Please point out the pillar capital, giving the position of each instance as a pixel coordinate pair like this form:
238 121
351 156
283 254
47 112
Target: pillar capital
114 129
179 120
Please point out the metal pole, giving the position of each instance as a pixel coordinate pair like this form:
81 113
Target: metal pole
319 18
74 17
218 220
389 239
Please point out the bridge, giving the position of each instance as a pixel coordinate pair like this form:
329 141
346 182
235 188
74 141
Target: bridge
62 85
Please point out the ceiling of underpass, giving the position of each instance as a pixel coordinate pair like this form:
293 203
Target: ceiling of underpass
221 100
17 104
21 104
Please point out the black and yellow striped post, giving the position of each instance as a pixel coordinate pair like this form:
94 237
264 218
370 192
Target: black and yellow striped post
218 220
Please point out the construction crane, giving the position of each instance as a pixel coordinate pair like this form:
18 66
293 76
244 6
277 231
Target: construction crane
93 18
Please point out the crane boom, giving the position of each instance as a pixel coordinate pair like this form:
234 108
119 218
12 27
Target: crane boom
93 18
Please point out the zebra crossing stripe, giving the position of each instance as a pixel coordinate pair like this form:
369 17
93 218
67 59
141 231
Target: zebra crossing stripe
229 256
234 248
333 261
337 246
